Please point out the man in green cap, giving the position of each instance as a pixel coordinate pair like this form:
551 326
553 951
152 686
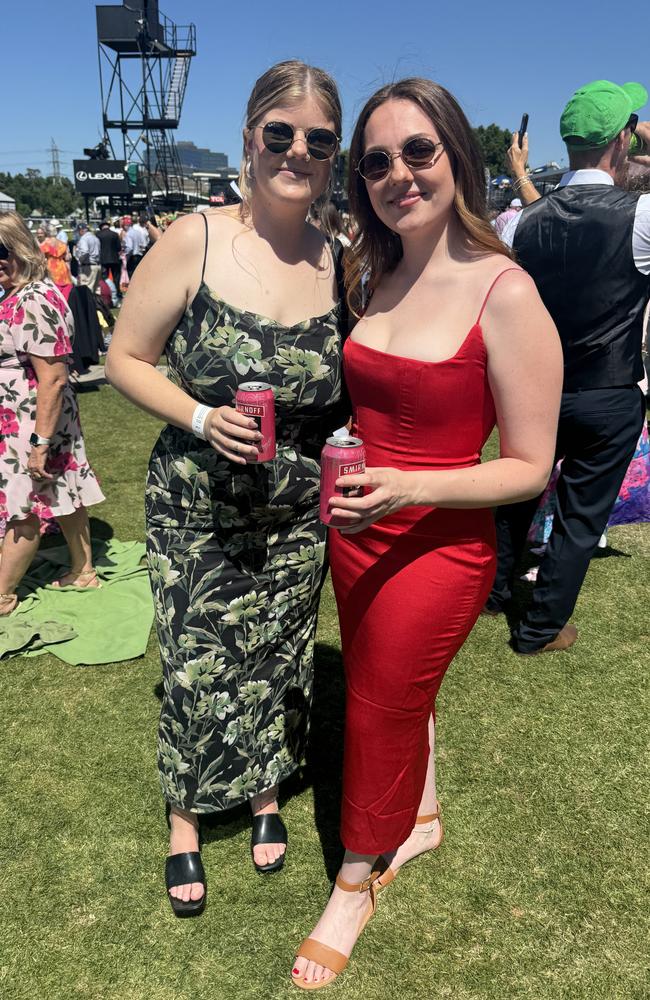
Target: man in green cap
587 246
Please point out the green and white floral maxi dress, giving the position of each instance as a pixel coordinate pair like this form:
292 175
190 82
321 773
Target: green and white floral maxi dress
237 557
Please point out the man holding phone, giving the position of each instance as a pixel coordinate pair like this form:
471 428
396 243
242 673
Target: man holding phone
587 246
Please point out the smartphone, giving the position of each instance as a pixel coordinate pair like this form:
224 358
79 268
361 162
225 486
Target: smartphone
523 128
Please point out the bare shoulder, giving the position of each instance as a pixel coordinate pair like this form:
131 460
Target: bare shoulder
512 291
184 233
224 221
515 321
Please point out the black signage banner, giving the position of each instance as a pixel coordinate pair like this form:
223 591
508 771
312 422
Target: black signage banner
101 177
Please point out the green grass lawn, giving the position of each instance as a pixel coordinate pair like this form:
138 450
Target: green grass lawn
539 891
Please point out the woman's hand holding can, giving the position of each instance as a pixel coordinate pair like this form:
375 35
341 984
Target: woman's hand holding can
381 492
232 434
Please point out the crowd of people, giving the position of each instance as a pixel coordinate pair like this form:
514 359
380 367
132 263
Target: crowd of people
107 254
408 334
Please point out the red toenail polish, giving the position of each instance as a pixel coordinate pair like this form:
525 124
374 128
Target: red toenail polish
296 972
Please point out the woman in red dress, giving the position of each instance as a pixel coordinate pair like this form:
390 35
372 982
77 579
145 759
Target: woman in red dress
454 339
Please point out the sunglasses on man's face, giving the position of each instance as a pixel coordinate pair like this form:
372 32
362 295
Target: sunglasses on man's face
632 123
4 252
417 153
278 137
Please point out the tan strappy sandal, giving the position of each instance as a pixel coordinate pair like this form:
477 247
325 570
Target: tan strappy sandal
330 958
5 600
87 575
389 875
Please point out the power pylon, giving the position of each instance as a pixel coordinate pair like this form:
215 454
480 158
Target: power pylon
56 162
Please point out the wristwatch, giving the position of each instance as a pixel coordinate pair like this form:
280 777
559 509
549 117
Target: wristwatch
36 440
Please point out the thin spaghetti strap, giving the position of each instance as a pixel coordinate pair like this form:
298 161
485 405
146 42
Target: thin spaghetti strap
205 252
499 275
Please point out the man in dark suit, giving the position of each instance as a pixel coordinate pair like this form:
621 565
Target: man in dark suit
587 246
110 253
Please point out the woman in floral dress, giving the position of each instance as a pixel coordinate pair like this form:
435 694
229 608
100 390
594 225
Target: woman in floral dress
236 549
44 472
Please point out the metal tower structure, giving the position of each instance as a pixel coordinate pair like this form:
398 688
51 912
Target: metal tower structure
144 63
56 162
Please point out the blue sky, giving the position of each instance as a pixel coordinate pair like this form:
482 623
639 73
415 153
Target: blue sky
498 59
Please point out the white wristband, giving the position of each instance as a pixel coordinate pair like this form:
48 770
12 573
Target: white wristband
199 418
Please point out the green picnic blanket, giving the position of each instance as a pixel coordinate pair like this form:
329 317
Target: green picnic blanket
89 626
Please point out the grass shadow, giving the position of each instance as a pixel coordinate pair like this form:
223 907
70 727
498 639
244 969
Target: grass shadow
101 529
610 552
325 751
84 388
522 595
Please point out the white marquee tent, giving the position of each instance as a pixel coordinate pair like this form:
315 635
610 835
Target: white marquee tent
7 204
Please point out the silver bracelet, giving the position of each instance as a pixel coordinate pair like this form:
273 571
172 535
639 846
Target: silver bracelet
198 420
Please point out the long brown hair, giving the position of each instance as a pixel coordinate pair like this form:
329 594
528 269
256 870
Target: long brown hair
377 249
22 245
286 83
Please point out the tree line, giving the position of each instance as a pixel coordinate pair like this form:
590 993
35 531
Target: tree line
48 196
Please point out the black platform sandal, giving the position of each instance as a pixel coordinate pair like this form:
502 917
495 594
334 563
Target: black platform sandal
268 829
181 869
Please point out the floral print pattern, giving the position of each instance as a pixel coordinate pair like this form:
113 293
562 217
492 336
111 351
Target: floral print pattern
56 252
237 557
36 320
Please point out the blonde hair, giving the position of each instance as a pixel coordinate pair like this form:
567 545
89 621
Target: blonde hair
286 83
24 248
376 248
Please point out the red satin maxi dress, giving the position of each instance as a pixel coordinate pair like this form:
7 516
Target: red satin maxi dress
410 587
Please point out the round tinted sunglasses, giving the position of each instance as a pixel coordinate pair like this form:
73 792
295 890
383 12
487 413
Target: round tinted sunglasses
278 137
4 252
417 153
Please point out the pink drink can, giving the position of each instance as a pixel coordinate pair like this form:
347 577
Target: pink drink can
341 456
256 400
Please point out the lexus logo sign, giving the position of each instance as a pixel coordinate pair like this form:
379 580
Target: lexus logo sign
83 176
96 177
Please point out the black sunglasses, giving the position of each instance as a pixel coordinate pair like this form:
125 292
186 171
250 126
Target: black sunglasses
278 137
633 122
417 153
4 252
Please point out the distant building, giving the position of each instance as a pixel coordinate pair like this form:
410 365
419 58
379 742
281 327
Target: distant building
195 159
7 204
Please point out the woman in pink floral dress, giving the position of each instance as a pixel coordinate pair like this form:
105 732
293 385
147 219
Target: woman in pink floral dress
44 472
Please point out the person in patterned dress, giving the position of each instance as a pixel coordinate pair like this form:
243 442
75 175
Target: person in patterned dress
44 472
236 549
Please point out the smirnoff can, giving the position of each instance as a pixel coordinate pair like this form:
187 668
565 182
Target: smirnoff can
256 400
341 456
